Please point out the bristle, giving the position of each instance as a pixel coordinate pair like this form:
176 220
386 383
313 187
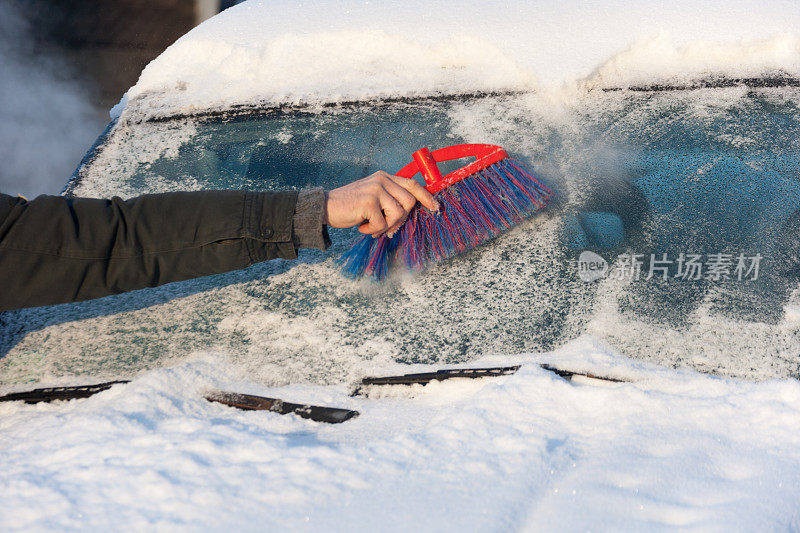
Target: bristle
472 211
378 263
355 260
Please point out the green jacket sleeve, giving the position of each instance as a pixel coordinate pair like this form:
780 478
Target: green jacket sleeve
56 250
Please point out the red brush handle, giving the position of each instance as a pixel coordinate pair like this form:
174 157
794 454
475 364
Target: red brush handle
425 163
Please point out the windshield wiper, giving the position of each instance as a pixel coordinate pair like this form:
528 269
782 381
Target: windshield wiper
424 378
330 415
250 402
51 394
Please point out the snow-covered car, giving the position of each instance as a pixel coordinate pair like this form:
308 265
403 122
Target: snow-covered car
674 240
693 229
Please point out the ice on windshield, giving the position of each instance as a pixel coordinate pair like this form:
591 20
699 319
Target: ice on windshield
675 240
274 150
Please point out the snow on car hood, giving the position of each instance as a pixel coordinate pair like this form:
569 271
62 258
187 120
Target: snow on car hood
285 52
528 452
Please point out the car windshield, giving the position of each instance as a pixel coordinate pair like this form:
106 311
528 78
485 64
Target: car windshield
674 238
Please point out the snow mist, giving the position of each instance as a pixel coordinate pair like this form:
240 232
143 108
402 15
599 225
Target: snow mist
46 122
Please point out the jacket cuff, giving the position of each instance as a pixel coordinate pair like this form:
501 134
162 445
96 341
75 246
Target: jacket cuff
268 224
308 230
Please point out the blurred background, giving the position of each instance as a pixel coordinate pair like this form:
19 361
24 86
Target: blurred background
64 64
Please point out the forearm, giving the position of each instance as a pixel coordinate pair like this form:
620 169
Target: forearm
56 250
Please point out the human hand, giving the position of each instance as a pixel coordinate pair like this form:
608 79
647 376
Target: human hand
378 203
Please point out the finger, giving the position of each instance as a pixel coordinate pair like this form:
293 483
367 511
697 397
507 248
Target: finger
406 200
392 210
374 220
418 191
396 226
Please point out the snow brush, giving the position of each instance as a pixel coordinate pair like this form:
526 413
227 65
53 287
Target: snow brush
477 202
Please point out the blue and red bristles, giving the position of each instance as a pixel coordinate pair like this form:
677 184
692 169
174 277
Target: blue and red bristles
477 202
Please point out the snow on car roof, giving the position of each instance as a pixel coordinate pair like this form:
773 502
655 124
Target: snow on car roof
288 52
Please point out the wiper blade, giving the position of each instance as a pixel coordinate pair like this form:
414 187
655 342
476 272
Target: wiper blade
51 394
249 402
569 374
440 375
423 378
